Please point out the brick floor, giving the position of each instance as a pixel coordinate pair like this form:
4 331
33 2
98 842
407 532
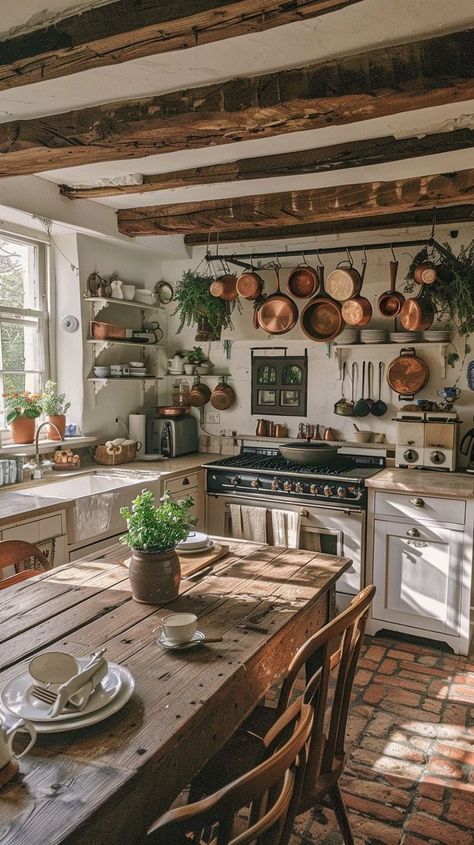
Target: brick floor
410 773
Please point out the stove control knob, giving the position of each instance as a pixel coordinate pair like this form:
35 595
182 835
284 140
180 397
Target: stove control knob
299 487
313 489
275 485
234 480
351 490
288 487
437 457
256 483
328 491
341 492
410 456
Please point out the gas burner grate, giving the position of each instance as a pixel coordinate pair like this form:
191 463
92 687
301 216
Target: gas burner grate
281 465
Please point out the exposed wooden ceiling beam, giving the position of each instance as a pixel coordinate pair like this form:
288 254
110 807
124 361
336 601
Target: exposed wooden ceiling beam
340 202
353 88
424 217
127 29
321 160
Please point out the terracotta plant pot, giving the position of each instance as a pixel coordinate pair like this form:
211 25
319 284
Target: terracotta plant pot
60 423
154 576
23 429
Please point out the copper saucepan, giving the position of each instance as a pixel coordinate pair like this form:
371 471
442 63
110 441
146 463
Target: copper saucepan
303 281
357 311
225 287
321 319
391 301
417 313
249 285
278 313
344 282
407 374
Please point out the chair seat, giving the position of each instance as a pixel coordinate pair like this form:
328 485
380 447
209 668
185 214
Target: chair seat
20 576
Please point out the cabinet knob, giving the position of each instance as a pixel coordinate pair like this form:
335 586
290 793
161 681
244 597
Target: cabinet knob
413 532
185 482
418 502
304 514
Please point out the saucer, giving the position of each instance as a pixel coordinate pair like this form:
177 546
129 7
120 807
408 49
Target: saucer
199 551
196 639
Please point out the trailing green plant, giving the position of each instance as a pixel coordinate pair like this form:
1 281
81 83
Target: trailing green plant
196 355
452 294
152 529
195 303
21 404
53 403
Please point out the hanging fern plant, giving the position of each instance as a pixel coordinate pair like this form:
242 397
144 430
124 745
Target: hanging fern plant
195 305
452 294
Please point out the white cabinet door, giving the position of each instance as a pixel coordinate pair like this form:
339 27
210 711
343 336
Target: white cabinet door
418 573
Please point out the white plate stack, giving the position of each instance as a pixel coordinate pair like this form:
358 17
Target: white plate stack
373 336
196 543
437 335
405 337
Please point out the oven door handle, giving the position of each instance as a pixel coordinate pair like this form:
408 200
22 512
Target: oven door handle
317 505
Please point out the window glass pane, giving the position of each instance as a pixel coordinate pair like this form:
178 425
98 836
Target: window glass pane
292 375
289 397
18 274
266 375
266 397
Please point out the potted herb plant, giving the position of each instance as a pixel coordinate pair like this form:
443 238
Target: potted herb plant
22 409
452 294
196 306
152 535
54 407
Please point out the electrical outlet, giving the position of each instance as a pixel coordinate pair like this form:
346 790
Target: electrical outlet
213 417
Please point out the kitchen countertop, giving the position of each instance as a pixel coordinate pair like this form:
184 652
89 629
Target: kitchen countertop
15 506
446 484
172 466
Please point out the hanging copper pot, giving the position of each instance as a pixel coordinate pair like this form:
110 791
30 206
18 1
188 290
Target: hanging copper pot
199 394
407 374
357 311
321 319
278 313
249 285
344 282
225 287
303 281
390 302
222 397
417 313
425 273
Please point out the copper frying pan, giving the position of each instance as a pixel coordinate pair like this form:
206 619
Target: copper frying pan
321 319
416 313
390 302
278 313
407 374
358 310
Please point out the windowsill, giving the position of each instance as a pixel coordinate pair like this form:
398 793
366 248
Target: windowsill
11 449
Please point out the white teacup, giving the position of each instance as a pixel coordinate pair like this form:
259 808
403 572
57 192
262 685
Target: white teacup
178 627
8 728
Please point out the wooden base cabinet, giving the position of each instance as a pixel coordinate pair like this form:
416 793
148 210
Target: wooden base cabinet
189 484
421 567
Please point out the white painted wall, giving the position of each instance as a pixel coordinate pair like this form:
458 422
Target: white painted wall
324 388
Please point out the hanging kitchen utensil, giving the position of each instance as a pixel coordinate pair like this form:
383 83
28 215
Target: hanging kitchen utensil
199 394
249 285
321 319
223 396
407 374
390 302
370 381
362 407
357 311
343 407
278 314
303 281
425 273
417 313
345 281
225 287
379 408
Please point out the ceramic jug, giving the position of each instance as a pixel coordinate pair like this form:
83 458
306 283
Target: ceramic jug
117 292
175 364
9 726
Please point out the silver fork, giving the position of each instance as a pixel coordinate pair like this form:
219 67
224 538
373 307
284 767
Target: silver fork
43 694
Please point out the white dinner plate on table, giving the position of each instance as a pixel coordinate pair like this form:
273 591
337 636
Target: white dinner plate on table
84 720
16 696
196 639
199 551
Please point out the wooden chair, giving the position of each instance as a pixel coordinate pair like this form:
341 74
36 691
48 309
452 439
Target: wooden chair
329 660
14 553
268 794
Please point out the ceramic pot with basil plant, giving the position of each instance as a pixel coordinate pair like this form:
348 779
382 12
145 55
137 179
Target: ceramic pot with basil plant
153 534
55 407
22 409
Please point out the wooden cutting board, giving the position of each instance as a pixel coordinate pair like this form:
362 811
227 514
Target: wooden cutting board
190 564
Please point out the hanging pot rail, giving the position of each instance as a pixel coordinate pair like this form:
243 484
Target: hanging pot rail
242 259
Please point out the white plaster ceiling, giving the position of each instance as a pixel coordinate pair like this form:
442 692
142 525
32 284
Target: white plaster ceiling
364 26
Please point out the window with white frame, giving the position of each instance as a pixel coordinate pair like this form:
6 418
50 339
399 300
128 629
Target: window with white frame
23 317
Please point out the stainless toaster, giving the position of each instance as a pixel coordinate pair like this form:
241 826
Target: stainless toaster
172 437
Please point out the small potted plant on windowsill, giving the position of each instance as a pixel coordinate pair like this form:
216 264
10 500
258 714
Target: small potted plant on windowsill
153 534
54 407
22 408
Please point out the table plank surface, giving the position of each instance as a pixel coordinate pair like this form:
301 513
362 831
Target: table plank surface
118 775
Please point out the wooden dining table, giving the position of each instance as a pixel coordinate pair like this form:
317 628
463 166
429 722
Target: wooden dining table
106 783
